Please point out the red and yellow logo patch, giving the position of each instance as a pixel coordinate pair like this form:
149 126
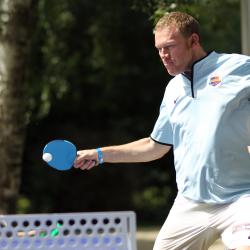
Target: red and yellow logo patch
215 80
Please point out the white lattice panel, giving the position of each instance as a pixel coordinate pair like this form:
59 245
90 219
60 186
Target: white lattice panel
78 231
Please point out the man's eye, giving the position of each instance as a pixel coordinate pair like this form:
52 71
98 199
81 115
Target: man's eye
168 47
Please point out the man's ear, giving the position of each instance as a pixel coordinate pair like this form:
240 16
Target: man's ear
195 39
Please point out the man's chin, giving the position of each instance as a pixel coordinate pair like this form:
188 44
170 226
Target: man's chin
172 73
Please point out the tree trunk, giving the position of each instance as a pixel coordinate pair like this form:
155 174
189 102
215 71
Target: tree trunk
14 23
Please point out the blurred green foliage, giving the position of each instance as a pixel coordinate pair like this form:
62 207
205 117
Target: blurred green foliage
96 79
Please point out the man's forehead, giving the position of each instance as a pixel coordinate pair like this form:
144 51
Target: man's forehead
167 31
167 34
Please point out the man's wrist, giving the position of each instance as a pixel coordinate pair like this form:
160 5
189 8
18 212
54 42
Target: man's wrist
100 156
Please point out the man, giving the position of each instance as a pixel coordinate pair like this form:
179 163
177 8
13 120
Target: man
205 117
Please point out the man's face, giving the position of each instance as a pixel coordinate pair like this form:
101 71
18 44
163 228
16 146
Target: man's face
174 49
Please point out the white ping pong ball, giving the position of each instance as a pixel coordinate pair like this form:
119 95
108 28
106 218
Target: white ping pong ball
47 157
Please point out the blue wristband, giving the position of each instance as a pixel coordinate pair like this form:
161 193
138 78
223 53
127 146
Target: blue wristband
100 156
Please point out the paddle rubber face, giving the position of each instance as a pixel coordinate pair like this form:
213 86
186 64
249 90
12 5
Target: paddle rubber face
60 154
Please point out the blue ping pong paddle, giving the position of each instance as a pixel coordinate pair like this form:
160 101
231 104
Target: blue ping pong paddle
60 154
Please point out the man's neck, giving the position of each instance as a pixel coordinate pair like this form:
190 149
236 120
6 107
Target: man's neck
199 55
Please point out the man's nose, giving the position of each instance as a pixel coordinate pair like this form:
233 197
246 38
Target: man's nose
164 52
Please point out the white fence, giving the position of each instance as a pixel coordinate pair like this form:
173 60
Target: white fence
69 231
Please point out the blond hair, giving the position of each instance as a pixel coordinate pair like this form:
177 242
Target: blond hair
185 23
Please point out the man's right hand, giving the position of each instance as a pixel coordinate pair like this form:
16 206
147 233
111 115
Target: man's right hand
86 159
